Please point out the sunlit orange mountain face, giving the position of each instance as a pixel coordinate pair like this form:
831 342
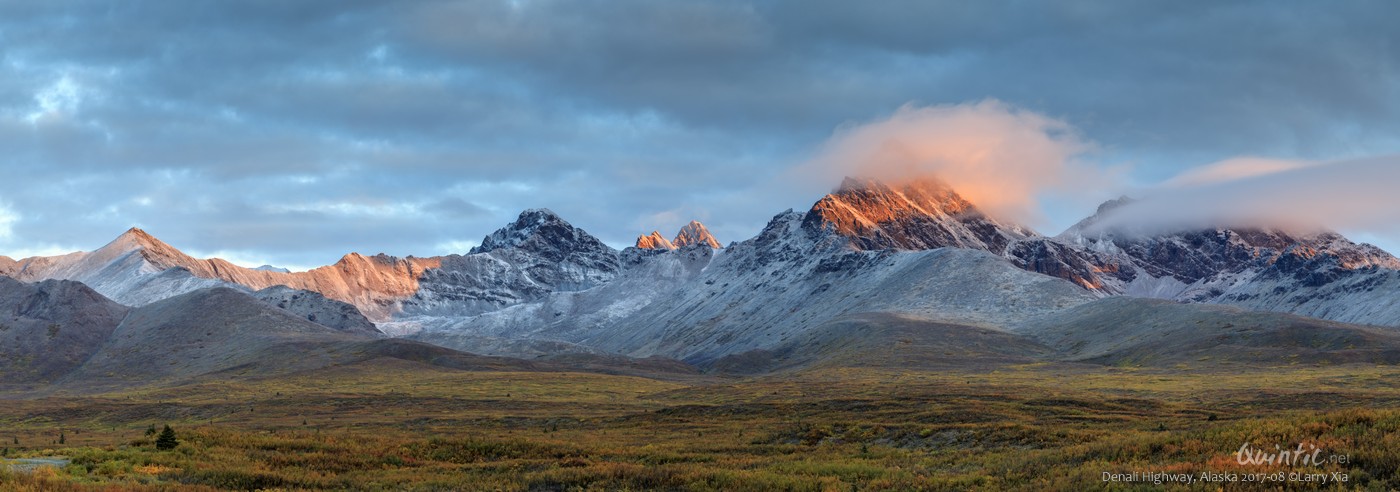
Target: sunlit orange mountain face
692 233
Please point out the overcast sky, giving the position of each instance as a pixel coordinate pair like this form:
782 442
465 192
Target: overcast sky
292 133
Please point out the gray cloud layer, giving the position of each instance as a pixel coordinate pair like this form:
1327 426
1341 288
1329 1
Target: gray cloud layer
292 132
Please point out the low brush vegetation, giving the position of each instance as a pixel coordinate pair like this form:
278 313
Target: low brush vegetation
1025 427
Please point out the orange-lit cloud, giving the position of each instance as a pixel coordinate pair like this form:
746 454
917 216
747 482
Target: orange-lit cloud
999 157
1234 169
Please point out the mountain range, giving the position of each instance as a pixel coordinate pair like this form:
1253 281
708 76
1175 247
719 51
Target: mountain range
871 257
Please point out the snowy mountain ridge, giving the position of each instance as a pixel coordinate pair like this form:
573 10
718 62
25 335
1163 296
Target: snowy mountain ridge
539 285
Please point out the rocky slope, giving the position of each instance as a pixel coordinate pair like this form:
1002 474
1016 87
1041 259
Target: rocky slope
50 328
316 308
566 321
196 333
60 332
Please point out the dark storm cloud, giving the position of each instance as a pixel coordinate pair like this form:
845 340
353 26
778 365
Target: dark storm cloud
293 132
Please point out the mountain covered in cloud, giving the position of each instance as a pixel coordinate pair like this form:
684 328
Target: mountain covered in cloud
1319 273
915 249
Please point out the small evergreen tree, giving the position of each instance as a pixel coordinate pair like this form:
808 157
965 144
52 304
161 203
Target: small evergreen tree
151 431
167 440
62 438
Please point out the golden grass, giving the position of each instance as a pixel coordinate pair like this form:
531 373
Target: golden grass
1024 427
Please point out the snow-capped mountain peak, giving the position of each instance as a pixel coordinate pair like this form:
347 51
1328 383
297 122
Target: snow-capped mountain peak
154 250
695 233
543 232
914 215
654 241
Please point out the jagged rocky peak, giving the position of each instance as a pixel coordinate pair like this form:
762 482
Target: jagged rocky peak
654 241
691 234
543 232
913 214
930 193
695 233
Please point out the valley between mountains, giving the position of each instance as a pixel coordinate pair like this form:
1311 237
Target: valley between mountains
891 336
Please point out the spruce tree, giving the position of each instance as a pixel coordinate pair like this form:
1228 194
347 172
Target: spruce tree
167 440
